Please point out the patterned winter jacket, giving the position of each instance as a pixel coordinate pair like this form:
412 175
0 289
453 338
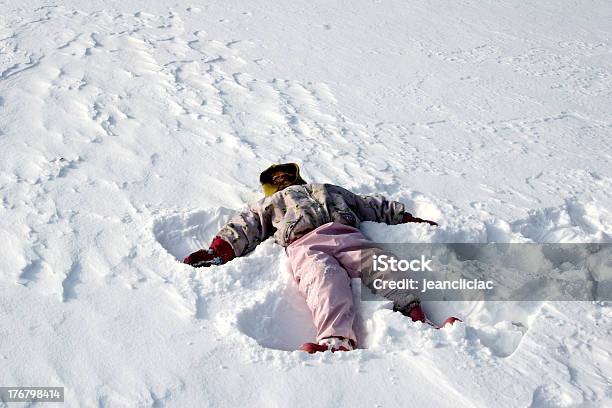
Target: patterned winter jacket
296 210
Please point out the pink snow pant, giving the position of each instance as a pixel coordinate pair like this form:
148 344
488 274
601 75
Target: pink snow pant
323 263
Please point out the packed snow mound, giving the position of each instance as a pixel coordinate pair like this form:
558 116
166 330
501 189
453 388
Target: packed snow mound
182 233
130 135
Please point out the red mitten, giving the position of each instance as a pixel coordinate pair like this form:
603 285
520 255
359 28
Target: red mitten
220 252
409 218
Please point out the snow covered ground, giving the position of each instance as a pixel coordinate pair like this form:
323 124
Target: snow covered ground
130 131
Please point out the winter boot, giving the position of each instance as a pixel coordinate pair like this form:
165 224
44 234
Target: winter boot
415 312
450 320
412 310
332 344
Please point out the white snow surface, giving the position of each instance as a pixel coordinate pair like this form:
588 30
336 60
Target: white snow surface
130 131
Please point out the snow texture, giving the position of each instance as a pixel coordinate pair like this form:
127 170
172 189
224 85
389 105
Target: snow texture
129 132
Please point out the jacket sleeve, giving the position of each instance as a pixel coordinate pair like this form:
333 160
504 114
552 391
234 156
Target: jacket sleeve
367 208
377 208
247 229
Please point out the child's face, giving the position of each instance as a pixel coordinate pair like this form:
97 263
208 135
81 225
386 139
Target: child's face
282 179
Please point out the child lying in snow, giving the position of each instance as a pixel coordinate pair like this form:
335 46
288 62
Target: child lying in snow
318 226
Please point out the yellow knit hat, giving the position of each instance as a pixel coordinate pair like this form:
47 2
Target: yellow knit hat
265 178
